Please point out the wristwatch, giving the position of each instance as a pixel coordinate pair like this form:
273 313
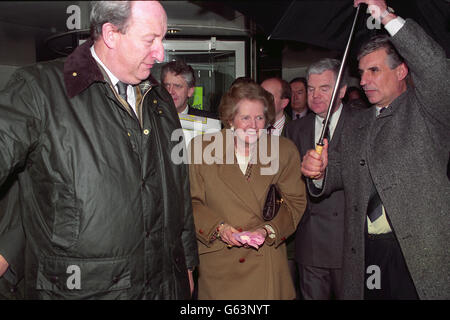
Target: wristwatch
386 12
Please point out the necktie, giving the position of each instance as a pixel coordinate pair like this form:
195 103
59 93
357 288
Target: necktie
374 208
297 116
381 110
327 134
123 93
122 90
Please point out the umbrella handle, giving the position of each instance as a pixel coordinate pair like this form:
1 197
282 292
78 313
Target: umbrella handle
319 148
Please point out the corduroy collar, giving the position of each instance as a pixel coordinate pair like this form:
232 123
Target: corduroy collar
81 70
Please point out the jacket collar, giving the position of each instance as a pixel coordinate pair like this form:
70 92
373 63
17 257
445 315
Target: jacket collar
81 70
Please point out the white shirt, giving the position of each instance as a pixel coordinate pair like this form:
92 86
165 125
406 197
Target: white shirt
185 111
394 25
301 114
278 126
131 97
334 118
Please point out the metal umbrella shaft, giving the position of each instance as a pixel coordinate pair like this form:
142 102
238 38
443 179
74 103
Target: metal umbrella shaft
320 144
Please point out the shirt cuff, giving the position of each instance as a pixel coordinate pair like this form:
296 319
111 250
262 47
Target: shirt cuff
318 183
394 25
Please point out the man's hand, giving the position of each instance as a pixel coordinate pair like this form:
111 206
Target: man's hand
377 8
314 164
381 4
4 265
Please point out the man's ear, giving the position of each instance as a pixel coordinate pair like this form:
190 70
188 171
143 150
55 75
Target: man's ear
284 103
110 34
401 71
191 91
342 92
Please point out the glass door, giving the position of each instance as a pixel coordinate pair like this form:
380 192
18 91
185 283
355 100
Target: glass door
216 65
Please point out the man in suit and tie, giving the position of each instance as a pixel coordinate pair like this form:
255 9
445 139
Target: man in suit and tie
391 162
179 80
281 92
319 236
298 108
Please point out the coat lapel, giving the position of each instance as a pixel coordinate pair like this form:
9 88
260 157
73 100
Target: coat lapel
233 178
261 179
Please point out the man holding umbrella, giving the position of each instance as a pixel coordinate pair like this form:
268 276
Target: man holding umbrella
392 164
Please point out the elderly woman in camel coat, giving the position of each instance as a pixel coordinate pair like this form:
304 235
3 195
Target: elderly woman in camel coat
230 175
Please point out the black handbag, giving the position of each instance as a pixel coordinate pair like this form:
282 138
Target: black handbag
273 203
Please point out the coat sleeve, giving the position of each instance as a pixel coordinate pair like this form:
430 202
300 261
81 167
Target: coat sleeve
188 235
206 220
20 124
293 191
429 69
12 238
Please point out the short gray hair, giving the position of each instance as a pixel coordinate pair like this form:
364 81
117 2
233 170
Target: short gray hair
179 68
115 12
382 42
326 64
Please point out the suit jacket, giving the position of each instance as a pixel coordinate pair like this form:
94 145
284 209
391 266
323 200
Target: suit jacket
220 193
320 234
404 151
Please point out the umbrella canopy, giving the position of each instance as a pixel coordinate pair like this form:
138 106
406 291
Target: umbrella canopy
327 23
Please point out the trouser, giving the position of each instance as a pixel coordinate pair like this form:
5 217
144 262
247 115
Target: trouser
319 283
387 275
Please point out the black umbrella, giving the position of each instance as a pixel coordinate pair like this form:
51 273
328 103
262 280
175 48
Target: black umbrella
327 23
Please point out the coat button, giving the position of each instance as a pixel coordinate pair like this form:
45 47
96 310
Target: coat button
335 214
146 132
74 74
241 260
353 250
200 231
54 279
283 239
115 279
362 162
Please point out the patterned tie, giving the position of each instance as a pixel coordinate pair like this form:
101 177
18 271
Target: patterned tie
122 90
374 208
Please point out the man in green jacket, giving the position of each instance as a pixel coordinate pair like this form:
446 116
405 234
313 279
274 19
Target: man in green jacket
105 211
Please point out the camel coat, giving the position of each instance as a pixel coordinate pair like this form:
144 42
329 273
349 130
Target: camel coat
221 193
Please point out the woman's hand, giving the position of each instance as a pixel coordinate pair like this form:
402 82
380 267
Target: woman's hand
226 235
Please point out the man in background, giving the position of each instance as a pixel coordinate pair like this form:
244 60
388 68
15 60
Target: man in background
179 80
298 108
281 92
320 234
